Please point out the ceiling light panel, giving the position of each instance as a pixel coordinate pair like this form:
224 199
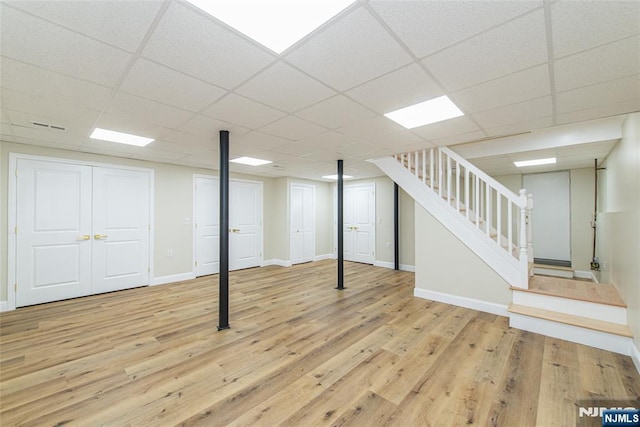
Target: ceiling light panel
120 137
427 112
536 162
250 161
276 25
336 177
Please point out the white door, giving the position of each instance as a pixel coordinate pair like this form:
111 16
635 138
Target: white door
359 223
207 225
303 227
121 227
245 224
551 215
53 231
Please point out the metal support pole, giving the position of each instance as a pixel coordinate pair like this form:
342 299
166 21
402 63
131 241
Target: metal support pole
340 228
223 305
396 227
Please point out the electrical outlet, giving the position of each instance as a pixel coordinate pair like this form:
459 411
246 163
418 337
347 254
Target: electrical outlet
187 221
388 244
170 253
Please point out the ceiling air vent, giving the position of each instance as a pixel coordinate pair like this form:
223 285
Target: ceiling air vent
46 125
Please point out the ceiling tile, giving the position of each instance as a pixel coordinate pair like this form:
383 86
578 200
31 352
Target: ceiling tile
293 128
398 89
600 111
608 62
119 23
49 137
242 111
206 126
610 92
364 151
459 139
53 86
515 113
455 126
24 109
583 25
352 51
127 105
372 129
336 112
259 141
520 127
200 47
326 141
514 46
429 26
511 89
284 87
49 46
152 81
186 140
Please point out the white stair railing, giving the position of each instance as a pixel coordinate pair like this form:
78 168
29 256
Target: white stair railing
501 215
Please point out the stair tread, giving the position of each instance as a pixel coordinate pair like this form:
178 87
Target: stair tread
583 322
599 293
553 267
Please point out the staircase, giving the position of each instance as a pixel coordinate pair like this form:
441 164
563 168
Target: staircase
495 224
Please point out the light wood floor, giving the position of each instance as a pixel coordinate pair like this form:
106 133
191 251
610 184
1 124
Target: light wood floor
299 353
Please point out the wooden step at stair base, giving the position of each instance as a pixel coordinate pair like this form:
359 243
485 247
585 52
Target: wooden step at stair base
595 333
573 307
602 293
553 270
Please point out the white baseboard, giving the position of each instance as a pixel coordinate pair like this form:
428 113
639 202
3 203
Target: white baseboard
635 356
576 334
279 262
403 267
163 280
581 274
323 257
474 304
4 306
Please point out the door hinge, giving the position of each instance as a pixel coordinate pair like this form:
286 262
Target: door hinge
196 225
148 269
149 227
16 172
15 229
196 263
15 287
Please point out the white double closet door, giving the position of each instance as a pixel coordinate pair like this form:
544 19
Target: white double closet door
245 225
80 230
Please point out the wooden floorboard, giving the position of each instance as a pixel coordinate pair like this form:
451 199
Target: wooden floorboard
299 353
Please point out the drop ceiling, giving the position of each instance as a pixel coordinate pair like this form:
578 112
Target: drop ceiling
166 70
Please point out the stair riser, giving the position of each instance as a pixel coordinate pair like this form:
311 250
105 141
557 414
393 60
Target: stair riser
606 313
553 272
575 334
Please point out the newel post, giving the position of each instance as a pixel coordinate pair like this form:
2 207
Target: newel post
522 240
530 227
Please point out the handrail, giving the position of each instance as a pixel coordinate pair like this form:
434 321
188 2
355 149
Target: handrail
519 201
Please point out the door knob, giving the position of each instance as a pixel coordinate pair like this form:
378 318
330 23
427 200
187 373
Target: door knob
100 236
84 237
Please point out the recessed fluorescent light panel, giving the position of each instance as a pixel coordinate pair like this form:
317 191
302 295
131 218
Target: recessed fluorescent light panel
336 177
120 137
250 161
537 162
276 25
427 112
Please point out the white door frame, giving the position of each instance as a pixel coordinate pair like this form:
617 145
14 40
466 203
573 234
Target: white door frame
313 208
193 222
12 206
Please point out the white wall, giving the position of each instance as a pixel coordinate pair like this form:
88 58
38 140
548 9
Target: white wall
619 220
448 266
174 204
